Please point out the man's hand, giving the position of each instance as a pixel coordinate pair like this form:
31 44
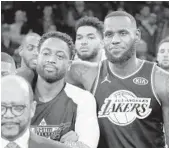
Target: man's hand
70 136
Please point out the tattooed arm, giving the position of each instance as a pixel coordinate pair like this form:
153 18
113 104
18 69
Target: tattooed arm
82 74
162 90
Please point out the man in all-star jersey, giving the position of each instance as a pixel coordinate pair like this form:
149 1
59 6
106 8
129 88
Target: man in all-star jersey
61 107
132 95
163 54
89 39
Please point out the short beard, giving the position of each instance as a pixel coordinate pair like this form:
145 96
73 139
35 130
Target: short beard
88 57
164 66
125 57
51 79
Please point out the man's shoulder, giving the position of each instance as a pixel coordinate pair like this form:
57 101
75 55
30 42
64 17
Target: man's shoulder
42 142
78 95
26 73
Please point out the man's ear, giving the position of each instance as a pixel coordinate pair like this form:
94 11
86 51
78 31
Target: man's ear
138 35
33 108
69 64
20 49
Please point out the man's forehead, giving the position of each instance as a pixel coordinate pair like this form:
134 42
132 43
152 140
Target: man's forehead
53 42
117 22
86 30
34 40
164 45
14 91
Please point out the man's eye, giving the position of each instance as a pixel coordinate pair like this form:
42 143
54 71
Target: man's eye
91 37
78 38
30 48
162 51
60 57
45 53
18 108
108 34
4 73
123 33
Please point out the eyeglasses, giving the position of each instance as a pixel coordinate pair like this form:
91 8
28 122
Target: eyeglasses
16 110
4 73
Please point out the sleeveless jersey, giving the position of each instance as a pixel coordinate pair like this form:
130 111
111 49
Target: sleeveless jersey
129 112
55 118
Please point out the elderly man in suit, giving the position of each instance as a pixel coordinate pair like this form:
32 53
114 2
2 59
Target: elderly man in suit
17 109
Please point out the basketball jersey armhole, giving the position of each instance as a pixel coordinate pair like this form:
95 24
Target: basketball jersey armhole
152 84
95 84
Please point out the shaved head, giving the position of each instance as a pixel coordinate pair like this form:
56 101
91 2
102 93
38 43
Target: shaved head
13 85
17 106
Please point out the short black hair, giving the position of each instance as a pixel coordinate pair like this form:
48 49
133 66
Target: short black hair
122 13
59 35
90 21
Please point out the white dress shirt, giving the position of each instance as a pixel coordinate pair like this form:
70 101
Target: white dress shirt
22 141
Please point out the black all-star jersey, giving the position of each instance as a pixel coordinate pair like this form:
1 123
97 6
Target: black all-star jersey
129 113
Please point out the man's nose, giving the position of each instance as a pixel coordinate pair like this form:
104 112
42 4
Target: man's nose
84 42
51 60
35 51
8 114
116 39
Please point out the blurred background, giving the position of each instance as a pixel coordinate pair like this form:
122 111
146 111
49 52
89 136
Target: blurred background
20 18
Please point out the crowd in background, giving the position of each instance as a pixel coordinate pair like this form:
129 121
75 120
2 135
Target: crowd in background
20 18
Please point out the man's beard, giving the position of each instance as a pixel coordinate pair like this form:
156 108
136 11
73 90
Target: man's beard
51 78
87 57
124 57
164 66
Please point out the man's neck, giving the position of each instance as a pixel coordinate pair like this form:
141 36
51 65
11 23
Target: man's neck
47 90
23 64
97 58
126 68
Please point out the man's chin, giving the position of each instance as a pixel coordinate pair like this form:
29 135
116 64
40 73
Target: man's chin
9 133
32 66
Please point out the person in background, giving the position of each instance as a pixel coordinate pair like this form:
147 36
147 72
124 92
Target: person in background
78 11
148 30
163 26
89 39
163 54
7 64
18 30
141 50
28 51
5 40
17 109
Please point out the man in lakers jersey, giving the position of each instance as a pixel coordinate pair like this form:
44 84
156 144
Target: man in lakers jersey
132 95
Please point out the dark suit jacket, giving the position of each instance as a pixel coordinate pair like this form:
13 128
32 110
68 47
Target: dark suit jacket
36 141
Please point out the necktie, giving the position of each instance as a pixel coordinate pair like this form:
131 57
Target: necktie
12 145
